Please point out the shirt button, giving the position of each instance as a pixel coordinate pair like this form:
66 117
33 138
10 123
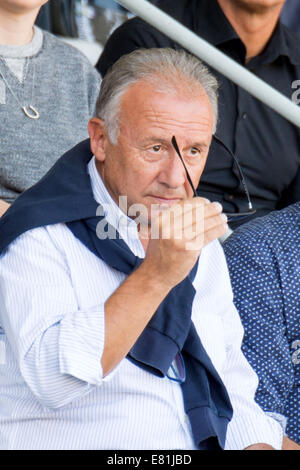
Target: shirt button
230 197
244 116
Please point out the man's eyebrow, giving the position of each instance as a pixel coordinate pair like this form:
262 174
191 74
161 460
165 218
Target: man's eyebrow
152 139
157 138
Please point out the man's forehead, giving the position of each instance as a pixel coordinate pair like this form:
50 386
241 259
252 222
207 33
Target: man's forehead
143 89
143 102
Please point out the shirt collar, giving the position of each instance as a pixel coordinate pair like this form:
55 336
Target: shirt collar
211 23
112 212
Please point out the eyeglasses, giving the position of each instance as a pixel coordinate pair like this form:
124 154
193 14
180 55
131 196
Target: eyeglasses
177 369
232 217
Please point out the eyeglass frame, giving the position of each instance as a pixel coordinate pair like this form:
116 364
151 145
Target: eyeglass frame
231 216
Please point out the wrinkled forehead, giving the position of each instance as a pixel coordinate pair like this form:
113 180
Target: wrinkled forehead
179 86
143 106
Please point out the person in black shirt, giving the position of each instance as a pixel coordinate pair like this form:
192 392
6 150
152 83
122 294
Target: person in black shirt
267 146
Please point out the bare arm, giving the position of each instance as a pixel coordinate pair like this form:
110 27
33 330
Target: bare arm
3 207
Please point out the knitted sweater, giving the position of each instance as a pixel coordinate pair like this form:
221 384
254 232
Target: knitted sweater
66 87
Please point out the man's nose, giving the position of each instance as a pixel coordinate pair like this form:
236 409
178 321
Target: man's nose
172 172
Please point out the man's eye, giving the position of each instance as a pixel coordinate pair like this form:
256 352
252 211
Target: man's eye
156 148
194 151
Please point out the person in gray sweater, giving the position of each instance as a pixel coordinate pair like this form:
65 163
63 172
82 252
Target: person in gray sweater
48 91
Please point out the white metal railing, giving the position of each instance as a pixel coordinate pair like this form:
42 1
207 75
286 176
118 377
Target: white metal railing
215 58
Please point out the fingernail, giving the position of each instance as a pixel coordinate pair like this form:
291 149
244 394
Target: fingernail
218 206
224 217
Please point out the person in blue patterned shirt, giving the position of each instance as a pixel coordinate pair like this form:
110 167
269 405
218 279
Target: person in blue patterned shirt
263 257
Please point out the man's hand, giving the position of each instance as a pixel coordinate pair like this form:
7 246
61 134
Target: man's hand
168 261
288 444
184 229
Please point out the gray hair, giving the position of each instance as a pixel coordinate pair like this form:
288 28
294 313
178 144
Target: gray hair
166 69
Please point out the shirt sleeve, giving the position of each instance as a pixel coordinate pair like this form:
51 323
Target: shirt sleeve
249 424
58 346
94 82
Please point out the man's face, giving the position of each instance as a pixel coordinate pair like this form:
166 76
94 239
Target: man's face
143 165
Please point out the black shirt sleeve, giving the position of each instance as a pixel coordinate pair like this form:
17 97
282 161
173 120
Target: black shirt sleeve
131 35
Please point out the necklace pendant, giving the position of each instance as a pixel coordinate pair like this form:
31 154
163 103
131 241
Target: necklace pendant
35 114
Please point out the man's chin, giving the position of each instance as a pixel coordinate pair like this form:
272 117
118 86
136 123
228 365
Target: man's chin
257 6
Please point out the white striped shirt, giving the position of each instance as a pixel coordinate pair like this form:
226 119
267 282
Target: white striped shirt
52 393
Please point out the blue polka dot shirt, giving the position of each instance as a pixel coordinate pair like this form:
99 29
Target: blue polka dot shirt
264 263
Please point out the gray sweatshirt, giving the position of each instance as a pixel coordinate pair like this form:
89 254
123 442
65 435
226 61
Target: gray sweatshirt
66 86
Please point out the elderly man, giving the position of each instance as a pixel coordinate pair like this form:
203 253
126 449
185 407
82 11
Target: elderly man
264 263
117 335
248 31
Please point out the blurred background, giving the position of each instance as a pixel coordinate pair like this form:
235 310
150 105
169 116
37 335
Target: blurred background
88 23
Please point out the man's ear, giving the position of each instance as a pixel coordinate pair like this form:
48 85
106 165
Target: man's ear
98 137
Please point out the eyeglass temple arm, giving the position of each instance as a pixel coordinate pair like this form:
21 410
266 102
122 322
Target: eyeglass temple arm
174 143
217 139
